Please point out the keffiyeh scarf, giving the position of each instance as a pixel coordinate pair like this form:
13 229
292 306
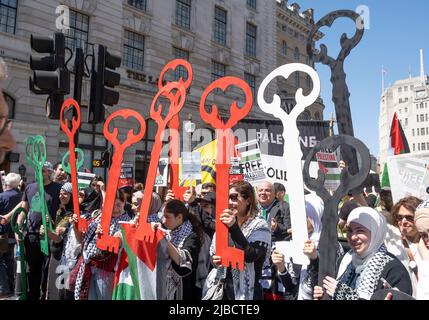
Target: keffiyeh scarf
254 230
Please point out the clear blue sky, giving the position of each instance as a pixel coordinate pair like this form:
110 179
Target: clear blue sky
397 31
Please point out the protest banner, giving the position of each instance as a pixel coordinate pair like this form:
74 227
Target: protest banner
409 176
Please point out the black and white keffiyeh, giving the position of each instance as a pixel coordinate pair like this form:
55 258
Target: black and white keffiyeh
353 285
255 230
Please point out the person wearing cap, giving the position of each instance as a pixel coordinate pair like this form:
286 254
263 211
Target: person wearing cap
37 262
8 200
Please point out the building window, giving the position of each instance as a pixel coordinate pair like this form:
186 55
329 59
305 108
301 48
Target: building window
418 132
423 146
427 146
422 130
426 117
284 48
426 104
406 109
406 100
296 54
251 81
139 4
418 144
297 79
427 133
183 13
400 90
251 4
77 35
417 106
250 40
422 117
134 50
406 89
418 118
414 147
421 105
413 132
220 26
218 70
308 81
8 10
180 71
406 121
11 104
400 111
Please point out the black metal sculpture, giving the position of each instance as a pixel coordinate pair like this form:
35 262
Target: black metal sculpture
340 91
328 238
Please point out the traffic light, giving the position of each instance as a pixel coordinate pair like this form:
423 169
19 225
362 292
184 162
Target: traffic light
50 75
103 81
106 158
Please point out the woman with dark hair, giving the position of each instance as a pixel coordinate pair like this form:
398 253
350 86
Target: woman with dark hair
402 216
184 241
248 233
94 280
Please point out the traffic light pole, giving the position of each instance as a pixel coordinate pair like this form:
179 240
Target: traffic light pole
78 79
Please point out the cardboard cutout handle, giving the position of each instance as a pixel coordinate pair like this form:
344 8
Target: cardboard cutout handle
230 256
82 224
105 241
145 232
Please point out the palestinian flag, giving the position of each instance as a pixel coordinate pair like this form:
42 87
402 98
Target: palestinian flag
399 144
398 141
135 277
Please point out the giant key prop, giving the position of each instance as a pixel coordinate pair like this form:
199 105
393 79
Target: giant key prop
340 91
105 241
174 123
35 150
71 132
177 101
292 153
225 141
328 239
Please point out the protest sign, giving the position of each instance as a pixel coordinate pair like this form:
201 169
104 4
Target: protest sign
127 175
161 178
251 164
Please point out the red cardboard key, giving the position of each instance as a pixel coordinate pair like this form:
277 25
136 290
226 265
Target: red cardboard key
174 125
105 241
177 101
230 256
75 124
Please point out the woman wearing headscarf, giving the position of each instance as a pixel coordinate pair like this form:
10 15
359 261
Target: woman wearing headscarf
95 277
368 266
248 233
299 281
421 220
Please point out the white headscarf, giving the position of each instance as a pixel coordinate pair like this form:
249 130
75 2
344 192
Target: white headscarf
314 208
376 224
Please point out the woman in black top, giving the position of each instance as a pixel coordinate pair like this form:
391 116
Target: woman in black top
248 233
183 246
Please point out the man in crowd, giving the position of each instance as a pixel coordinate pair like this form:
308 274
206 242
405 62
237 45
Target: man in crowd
275 213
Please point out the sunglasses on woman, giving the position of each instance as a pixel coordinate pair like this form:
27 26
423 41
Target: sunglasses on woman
400 217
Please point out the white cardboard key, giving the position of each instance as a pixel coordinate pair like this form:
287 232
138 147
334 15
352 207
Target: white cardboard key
292 153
